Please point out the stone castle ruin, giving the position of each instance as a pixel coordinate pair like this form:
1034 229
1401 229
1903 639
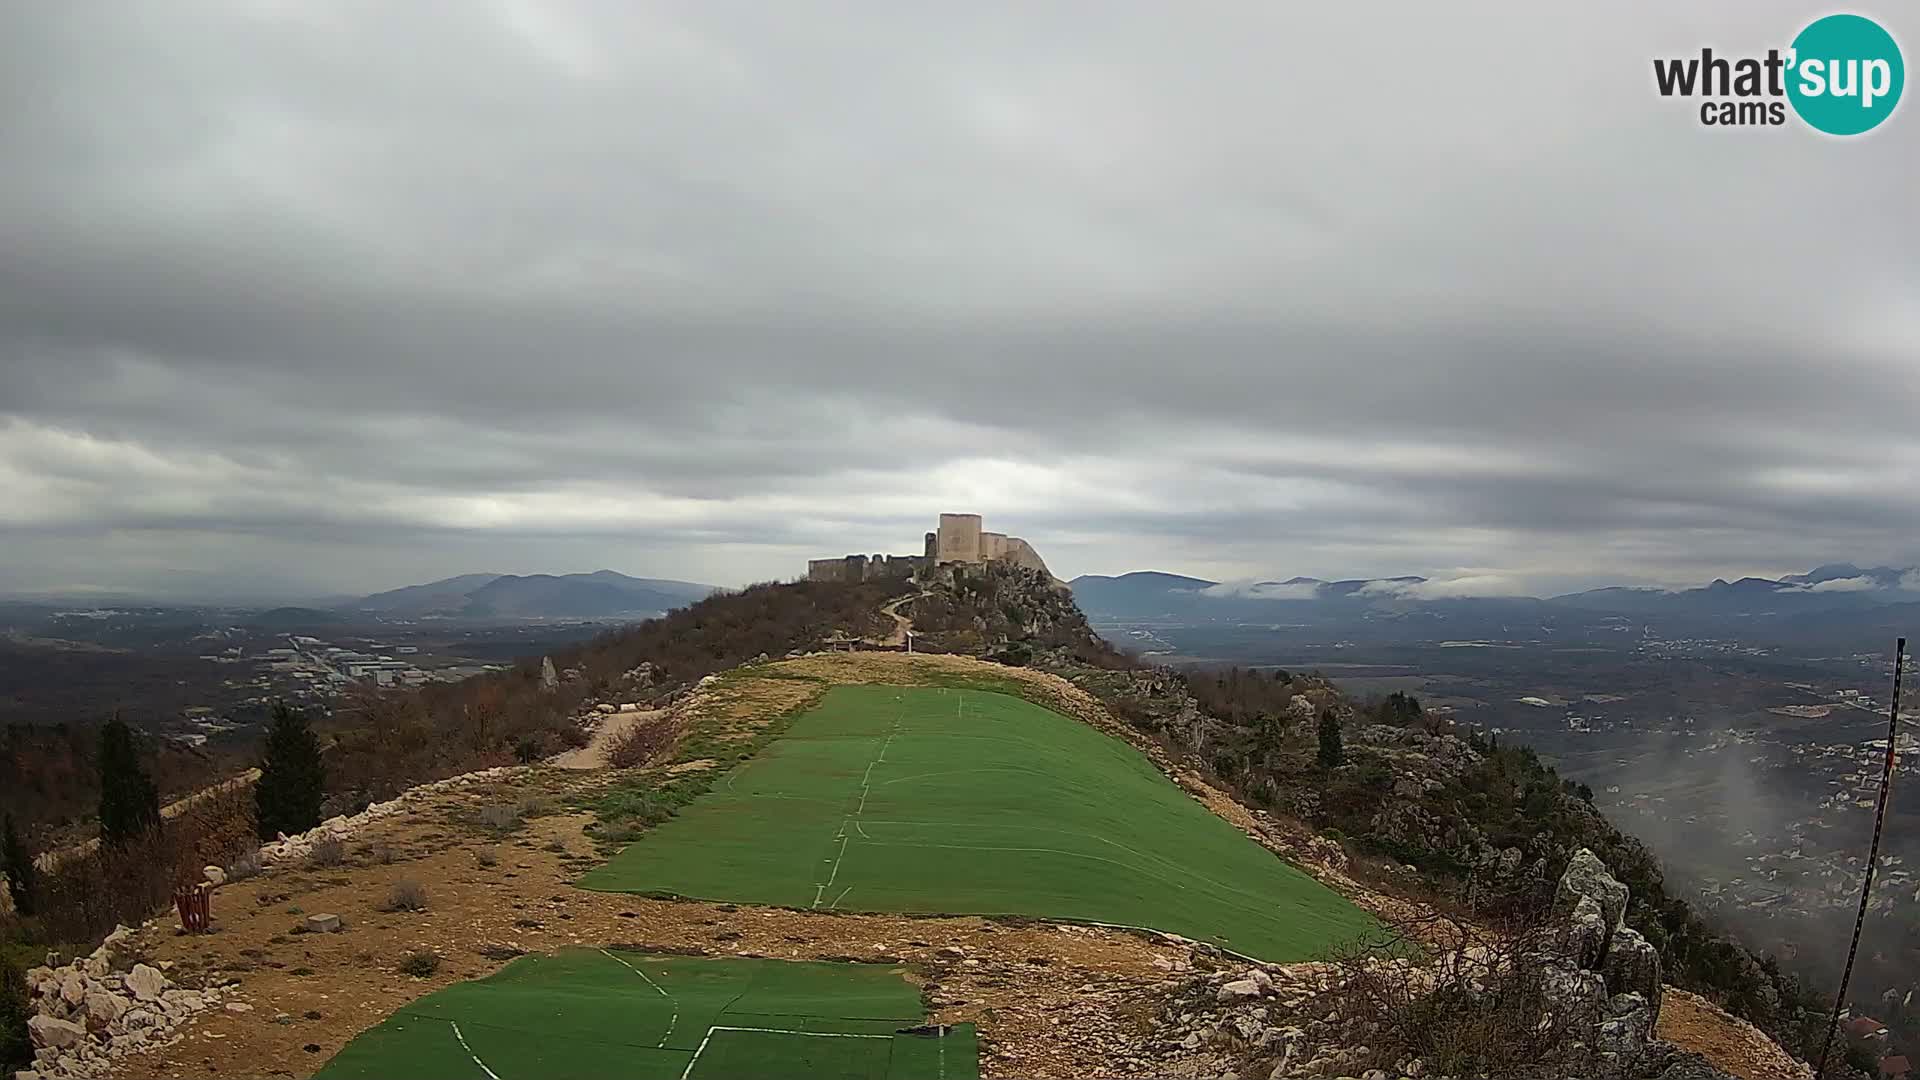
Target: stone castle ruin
959 539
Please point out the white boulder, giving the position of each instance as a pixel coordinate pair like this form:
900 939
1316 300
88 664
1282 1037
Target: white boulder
54 1034
145 983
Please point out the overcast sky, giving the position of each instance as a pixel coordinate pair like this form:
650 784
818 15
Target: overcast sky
303 298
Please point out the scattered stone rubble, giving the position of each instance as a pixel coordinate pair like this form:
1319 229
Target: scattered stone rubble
1270 1022
95 1010
289 848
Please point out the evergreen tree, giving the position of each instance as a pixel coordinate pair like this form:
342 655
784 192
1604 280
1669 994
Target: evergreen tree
292 780
16 862
1332 751
129 803
16 1041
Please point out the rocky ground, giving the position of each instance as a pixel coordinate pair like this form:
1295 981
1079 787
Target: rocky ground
274 991
1048 999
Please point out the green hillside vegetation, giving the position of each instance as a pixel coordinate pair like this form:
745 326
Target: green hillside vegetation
956 801
1238 727
589 1013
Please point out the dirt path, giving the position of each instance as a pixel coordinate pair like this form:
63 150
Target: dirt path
902 625
612 726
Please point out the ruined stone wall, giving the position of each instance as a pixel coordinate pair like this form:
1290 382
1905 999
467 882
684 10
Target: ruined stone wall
1021 553
846 568
862 568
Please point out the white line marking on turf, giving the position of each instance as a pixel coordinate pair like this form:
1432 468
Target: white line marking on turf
844 838
688 1071
866 785
469 1050
837 899
675 1019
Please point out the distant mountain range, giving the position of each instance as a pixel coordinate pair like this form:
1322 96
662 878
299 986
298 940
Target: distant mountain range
1839 587
534 596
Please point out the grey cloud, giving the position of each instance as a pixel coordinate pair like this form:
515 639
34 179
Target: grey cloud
378 291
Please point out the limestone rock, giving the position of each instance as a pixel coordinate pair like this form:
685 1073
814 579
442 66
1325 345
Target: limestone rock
55 1034
1587 876
1692 1067
1629 1030
1587 933
323 924
145 983
104 1008
73 989
213 875
1633 967
1238 990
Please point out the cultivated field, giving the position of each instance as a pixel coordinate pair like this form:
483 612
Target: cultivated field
946 800
596 1013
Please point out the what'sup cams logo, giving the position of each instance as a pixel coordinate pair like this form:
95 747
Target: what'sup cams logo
1842 75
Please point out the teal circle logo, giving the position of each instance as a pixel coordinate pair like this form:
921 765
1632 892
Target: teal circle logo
1846 74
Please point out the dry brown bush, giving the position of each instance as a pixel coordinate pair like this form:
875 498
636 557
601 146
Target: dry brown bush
1488 1005
326 852
406 895
420 964
85 895
642 743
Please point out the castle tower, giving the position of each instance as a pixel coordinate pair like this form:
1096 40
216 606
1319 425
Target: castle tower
959 538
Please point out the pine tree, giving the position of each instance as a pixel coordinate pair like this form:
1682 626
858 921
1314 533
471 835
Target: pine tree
1332 751
16 1041
293 780
16 862
129 803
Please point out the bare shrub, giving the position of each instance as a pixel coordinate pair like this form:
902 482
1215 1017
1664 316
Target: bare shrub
1496 1003
486 857
406 895
498 818
216 827
83 896
248 865
641 743
327 851
420 964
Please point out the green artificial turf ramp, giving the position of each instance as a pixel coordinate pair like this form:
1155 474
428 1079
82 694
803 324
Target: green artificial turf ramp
948 801
589 1013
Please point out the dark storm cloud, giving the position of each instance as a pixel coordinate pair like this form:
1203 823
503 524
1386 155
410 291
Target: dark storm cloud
342 295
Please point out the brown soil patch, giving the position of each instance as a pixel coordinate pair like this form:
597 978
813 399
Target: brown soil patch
1018 981
612 726
1729 1043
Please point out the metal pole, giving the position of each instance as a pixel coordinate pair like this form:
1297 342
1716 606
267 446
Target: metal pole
1873 854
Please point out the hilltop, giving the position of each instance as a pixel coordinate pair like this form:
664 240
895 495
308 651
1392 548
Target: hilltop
1416 819
477 596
